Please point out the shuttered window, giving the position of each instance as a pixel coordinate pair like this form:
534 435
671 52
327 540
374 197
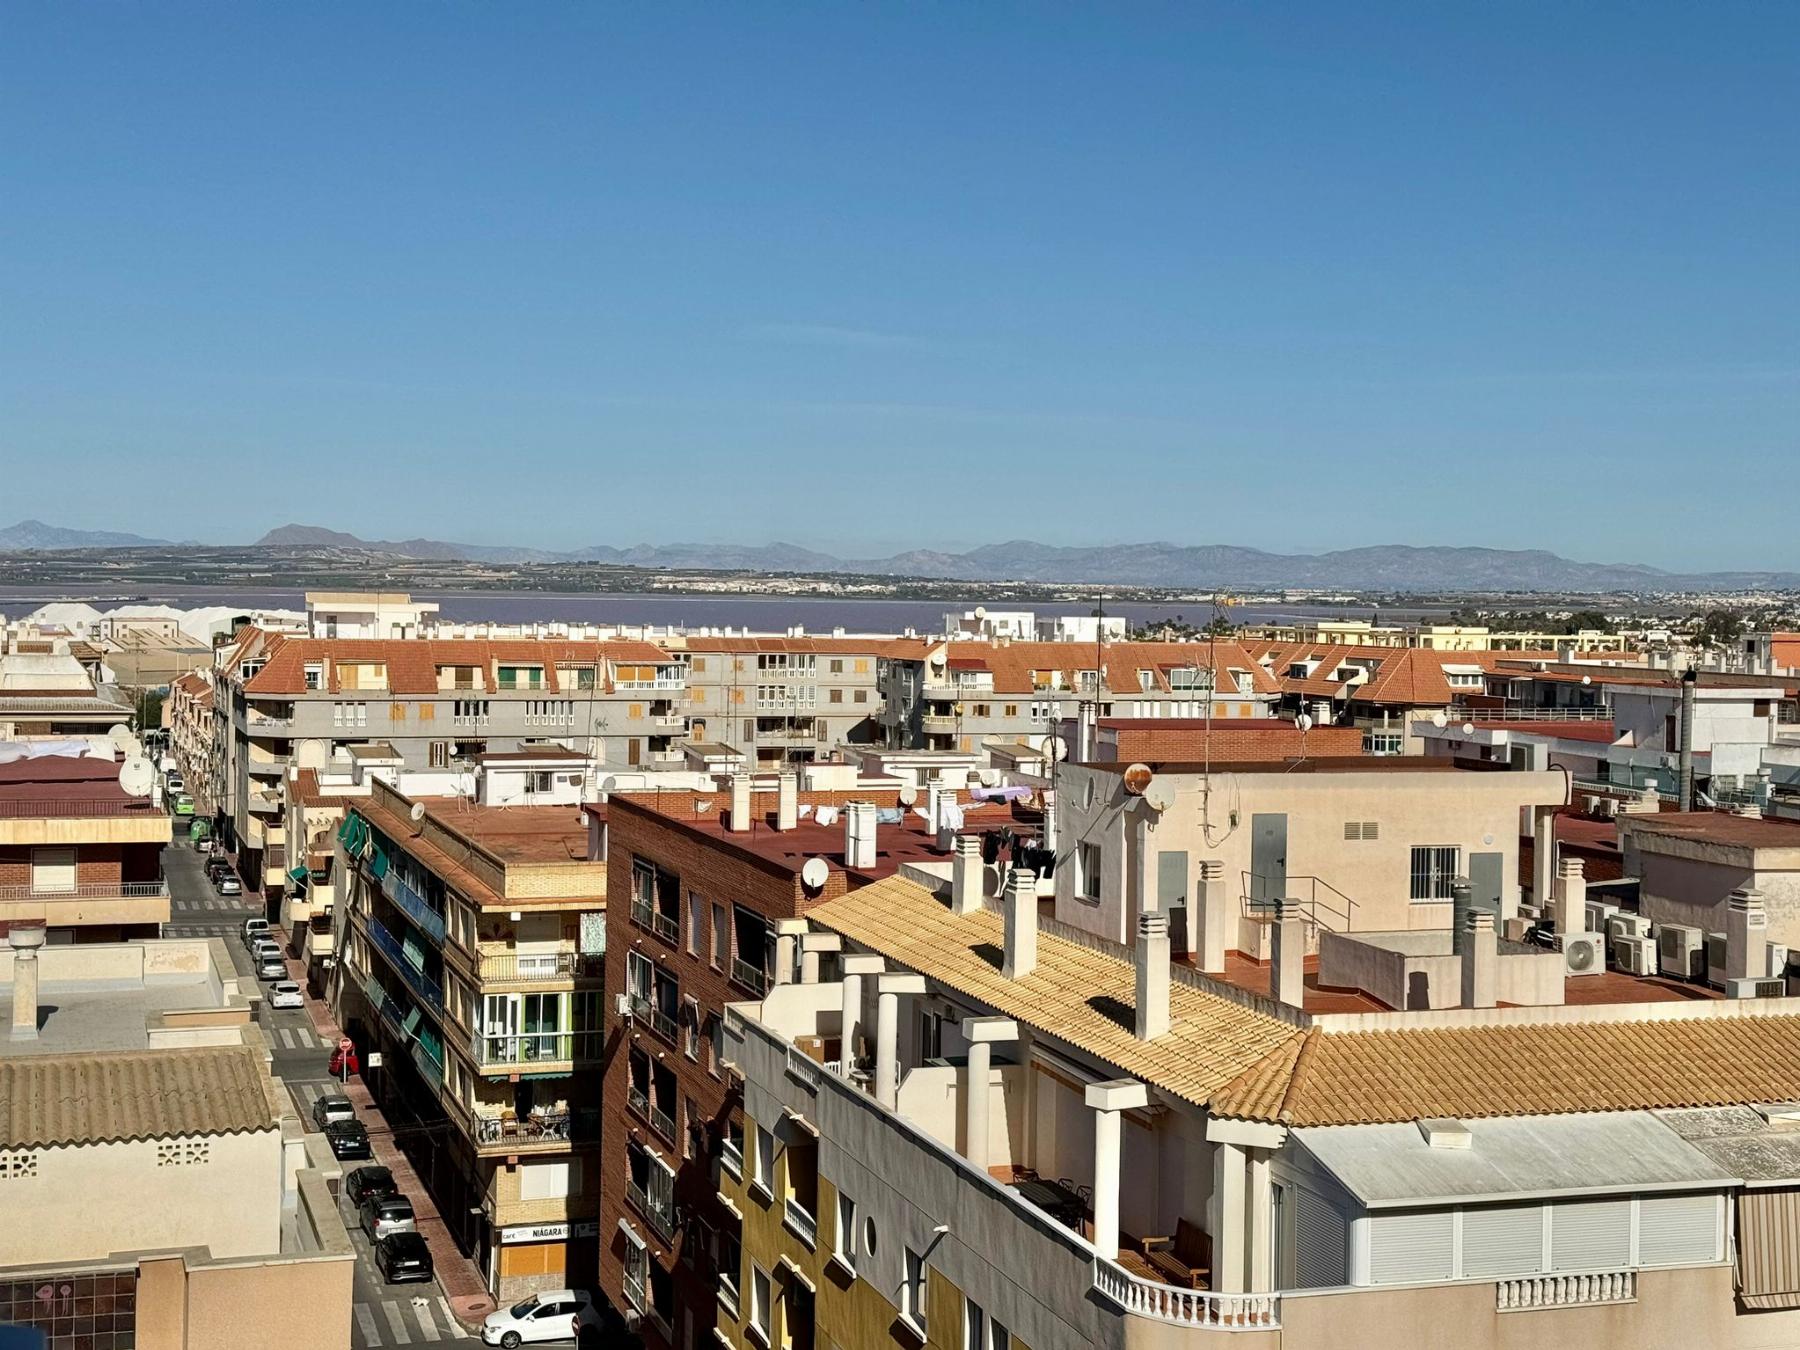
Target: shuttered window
1321 1243
1502 1240
1678 1230
1412 1246
1590 1235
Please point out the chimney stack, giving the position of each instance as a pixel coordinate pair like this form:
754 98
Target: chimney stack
1480 960
1152 957
1462 900
26 939
1287 959
1084 731
739 822
859 834
1571 896
967 873
1746 935
787 800
1021 924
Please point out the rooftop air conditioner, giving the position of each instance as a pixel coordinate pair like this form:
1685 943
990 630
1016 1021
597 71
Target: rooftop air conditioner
1626 924
1635 955
1612 806
1599 912
1755 988
1680 951
1591 804
1583 953
1716 947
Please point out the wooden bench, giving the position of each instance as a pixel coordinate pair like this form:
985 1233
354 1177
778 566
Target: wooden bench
1185 1259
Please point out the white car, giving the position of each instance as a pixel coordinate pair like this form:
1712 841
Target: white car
552 1315
286 994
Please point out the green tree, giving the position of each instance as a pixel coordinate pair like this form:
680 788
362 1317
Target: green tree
1719 628
1588 618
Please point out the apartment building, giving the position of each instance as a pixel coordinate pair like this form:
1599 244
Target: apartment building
158 1186
1437 637
316 804
785 700
963 695
78 853
367 614
470 944
434 704
188 717
46 691
711 888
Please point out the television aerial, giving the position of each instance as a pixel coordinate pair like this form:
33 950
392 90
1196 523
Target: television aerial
136 775
814 874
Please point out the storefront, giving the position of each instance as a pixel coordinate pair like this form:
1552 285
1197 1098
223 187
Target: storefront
545 1256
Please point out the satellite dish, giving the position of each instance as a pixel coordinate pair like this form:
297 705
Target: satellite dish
1468 728
609 784
1159 794
981 611
937 658
908 794
814 874
1304 722
136 776
1439 720
123 741
1137 778
1059 748
417 813
1587 679
990 777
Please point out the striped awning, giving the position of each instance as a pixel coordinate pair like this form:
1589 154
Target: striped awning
1768 1248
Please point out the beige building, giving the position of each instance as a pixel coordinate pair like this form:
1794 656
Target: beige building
1690 864
147 1156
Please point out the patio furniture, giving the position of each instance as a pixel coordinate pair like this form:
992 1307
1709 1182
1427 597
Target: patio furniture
1184 1260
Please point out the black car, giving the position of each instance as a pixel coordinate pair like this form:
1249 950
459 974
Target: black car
348 1140
403 1256
367 1183
328 1110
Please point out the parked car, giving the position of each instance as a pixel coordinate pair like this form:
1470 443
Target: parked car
337 1067
403 1256
286 994
184 805
367 1182
227 884
265 949
177 783
349 1140
253 929
328 1111
550 1315
384 1214
271 968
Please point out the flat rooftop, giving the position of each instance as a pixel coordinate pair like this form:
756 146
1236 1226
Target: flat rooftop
516 835
73 1018
1386 764
1719 827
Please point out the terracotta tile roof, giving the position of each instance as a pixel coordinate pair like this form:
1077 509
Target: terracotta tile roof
858 646
1399 676
1013 663
1373 1077
1600 733
155 1094
1078 993
412 663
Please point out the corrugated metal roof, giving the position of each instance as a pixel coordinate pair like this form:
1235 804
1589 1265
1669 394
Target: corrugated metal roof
155 1094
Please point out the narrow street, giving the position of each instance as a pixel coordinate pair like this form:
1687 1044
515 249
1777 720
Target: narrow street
383 1315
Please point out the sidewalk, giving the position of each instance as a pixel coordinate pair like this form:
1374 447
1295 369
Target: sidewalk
461 1279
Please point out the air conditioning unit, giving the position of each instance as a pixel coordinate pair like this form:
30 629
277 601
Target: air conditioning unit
1635 955
1681 951
1611 806
1715 959
1599 913
1626 924
1583 953
1778 961
1755 988
1591 805
1515 929
622 1005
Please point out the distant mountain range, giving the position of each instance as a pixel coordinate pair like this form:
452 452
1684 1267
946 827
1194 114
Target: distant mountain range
1381 567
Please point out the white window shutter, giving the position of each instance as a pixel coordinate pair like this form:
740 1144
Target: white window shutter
1410 1246
1502 1240
1590 1235
1676 1230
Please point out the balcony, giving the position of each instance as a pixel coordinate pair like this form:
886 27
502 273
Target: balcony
675 724
646 915
430 1066
1185 1307
666 759
265 724
753 978
660 1120
93 903
1565 1291
417 980
661 1221
805 735
500 1053
937 724
410 903
539 1129
98 890
515 969
321 940
802 1224
662 1023
660 682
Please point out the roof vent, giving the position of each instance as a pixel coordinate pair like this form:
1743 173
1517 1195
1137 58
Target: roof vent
1444 1132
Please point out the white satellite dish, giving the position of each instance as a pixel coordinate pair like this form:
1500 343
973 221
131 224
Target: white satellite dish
609 784
1468 728
1587 679
1439 720
990 777
814 874
1304 722
1059 748
981 611
1159 794
124 741
136 776
417 813
908 794
937 658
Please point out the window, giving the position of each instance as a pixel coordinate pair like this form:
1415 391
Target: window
1434 867
710 1034
837 666
912 1292
975 1325
762 1166
315 675
843 1241
636 1269
729 1262
690 1027
439 755
349 715
1385 742
731 1152
696 907
1087 871
860 696
759 1303
1012 710
835 696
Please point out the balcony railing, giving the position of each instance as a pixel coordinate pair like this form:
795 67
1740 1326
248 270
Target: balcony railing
420 983
539 1127
549 966
535 1047
1458 713
662 682
662 1222
1185 1307
671 722
93 890
660 1120
938 725
662 1023
1565 1291
646 915
431 1068
410 903
804 1225
751 977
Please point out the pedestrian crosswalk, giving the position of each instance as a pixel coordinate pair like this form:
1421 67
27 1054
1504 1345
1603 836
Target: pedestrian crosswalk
404 1321
297 1038
212 902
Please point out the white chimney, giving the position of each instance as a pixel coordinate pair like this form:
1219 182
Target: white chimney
1570 889
967 872
25 938
740 803
1084 731
1152 958
1021 924
1746 936
1480 961
859 834
787 801
1050 819
1287 957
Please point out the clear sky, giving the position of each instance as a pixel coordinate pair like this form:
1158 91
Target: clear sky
872 277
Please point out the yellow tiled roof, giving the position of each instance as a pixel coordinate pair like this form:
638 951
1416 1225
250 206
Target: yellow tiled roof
144 1094
1373 1077
1077 993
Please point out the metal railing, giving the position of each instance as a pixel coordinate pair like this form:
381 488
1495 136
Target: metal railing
1316 897
751 977
1185 1307
803 1067
662 1023
661 1221
410 903
534 1047
549 966
665 682
431 1068
803 1224
420 983
539 1127
639 1100
1462 712
646 915
90 890
1565 1291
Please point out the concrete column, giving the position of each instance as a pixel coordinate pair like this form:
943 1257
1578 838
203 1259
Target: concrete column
1262 1224
1543 859
1228 1218
25 995
1108 1100
1746 935
1210 915
888 989
1287 958
981 1033
813 947
787 941
966 875
1480 961
855 968
1570 888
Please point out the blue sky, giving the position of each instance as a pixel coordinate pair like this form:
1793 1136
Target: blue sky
1297 277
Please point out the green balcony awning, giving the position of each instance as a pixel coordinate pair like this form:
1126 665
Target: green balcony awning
299 875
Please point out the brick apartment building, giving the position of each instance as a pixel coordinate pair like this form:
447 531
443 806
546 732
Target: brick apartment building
705 915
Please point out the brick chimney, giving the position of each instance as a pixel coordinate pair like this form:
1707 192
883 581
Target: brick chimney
1021 924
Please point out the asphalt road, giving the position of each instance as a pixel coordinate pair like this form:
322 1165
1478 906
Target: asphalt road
382 1315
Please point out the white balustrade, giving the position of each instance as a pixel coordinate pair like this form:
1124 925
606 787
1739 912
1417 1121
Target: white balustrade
1565 1291
1186 1307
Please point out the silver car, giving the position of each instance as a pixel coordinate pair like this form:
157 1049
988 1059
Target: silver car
389 1214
